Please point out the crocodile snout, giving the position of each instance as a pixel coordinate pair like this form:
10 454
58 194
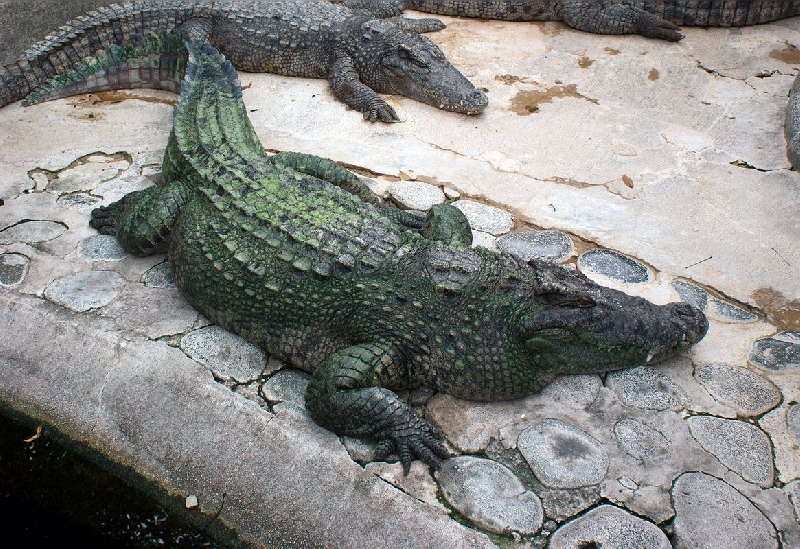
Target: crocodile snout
475 102
691 320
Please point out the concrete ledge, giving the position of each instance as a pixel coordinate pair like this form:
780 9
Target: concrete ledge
160 415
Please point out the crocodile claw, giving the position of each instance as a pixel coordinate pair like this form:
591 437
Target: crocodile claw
413 439
380 110
652 26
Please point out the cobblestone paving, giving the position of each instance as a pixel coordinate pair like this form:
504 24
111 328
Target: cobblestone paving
622 460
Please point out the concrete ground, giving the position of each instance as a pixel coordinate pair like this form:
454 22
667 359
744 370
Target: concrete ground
658 168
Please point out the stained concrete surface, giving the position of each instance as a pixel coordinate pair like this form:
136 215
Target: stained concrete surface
661 165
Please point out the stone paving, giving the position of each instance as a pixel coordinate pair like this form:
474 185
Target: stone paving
661 174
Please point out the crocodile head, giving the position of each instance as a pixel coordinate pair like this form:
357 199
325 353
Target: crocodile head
409 64
573 325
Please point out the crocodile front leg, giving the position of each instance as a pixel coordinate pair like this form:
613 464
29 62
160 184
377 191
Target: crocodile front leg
604 17
142 220
347 87
344 396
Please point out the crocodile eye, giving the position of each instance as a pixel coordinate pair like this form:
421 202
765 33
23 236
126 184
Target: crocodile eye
552 335
580 300
406 52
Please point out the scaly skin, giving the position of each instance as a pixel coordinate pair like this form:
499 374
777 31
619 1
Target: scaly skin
283 251
658 19
359 54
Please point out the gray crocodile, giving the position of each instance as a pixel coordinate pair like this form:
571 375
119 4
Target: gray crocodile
653 19
359 54
292 252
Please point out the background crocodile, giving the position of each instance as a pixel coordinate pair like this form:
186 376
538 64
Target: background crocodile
290 252
659 19
360 55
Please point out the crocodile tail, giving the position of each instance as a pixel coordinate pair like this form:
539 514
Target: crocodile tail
210 118
735 13
70 51
160 62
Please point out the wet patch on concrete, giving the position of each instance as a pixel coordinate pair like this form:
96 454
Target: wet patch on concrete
527 101
784 313
789 55
509 79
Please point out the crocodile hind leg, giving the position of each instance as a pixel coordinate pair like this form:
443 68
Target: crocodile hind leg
606 17
327 170
142 220
345 396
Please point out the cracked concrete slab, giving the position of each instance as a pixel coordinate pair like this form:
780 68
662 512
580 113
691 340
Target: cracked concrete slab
656 168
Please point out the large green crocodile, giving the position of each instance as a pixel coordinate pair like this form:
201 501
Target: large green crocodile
290 252
359 54
651 18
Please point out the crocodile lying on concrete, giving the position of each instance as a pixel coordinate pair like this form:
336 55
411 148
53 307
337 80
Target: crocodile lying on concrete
290 252
360 55
653 19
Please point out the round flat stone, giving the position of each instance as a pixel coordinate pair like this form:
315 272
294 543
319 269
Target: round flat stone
101 246
576 391
711 513
563 456
793 489
159 276
287 385
32 232
741 447
609 527
484 240
416 195
746 392
77 201
85 290
641 441
490 495
645 387
13 268
485 218
793 421
779 352
691 294
613 265
552 245
727 312
227 355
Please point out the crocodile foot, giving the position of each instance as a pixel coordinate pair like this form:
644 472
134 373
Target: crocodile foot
413 438
106 218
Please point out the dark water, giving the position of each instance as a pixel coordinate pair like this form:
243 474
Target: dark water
52 497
